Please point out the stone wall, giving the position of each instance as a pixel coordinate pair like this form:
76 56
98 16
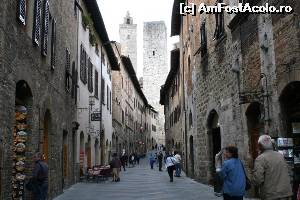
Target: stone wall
22 61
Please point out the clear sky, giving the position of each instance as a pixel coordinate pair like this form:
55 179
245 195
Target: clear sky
113 12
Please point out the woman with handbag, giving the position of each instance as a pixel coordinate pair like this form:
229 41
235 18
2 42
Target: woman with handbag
232 173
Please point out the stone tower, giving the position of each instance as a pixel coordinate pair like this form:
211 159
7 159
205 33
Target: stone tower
155 67
128 35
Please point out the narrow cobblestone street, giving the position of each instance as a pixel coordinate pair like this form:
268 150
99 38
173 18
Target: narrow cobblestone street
141 182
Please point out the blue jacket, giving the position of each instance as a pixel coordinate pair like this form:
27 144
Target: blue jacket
233 175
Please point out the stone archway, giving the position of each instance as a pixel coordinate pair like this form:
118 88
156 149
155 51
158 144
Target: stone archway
191 155
214 142
290 117
22 135
255 129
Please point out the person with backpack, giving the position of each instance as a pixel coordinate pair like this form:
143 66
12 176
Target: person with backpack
170 165
232 173
39 180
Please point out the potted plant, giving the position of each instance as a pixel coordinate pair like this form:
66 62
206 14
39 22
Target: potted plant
87 21
92 38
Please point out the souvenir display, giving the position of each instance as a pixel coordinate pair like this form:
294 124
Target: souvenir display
20 137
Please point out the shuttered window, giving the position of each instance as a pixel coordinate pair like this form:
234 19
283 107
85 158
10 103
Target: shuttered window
68 70
90 76
96 84
45 29
22 11
102 90
83 65
36 32
203 39
219 30
74 84
107 97
53 45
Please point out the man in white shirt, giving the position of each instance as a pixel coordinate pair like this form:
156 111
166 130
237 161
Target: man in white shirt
170 165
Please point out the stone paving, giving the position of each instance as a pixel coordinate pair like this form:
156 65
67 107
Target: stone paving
141 183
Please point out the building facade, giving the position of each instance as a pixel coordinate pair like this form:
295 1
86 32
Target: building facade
128 39
46 85
131 121
37 93
155 67
94 107
237 73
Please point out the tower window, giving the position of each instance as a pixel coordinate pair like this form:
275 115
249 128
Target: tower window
128 21
153 53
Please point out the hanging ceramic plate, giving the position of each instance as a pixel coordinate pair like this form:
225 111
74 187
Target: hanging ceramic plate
21 126
20 147
20 166
20 177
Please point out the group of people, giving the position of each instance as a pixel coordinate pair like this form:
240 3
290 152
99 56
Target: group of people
172 162
270 173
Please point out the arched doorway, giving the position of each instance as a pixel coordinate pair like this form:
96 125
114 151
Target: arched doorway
47 129
214 142
21 134
88 151
97 152
255 129
192 156
290 117
65 157
82 153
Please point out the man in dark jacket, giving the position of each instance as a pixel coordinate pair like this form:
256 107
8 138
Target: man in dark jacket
160 158
40 177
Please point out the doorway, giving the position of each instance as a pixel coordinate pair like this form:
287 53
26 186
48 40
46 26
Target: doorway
214 142
47 125
192 156
65 157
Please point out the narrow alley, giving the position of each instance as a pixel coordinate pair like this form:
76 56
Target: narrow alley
141 182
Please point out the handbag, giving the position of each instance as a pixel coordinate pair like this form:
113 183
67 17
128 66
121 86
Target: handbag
248 182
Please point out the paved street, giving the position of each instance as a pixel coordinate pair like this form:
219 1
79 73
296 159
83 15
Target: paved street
141 182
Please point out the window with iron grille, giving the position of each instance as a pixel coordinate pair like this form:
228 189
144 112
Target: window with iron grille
102 90
68 73
96 84
53 44
90 76
45 29
219 17
22 11
83 63
203 39
36 32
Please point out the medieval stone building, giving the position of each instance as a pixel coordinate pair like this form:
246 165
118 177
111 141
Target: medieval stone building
240 78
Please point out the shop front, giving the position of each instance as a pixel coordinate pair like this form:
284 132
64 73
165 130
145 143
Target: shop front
289 144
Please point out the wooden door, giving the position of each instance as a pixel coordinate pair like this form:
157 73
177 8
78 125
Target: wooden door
46 139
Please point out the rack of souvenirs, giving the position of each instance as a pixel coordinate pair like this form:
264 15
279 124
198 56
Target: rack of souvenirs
20 137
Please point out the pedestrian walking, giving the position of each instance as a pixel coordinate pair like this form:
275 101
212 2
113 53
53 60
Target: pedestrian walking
115 164
160 159
138 159
232 173
178 164
271 172
151 160
170 165
123 161
39 180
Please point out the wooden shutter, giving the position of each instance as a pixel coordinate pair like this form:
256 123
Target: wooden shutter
53 44
68 74
90 76
96 84
73 80
36 32
102 90
22 11
81 63
85 57
45 29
